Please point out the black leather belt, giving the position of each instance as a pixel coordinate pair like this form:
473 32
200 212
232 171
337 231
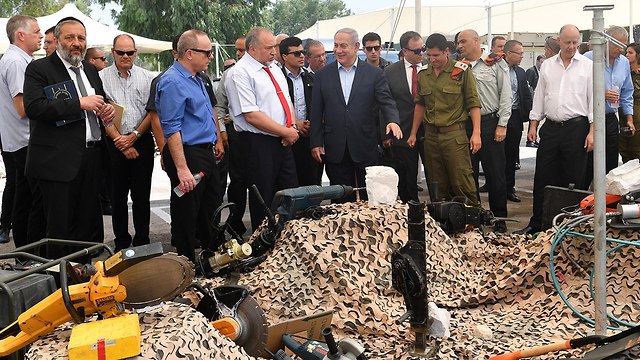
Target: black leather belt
567 122
206 146
92 143
489 116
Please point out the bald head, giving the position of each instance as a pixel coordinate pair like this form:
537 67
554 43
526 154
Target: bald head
469 45
279 39
569 40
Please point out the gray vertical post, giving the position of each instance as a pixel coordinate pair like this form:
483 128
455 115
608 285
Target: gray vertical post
489 36
418 13
599 44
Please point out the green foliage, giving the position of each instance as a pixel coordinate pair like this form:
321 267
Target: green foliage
37 8
294 16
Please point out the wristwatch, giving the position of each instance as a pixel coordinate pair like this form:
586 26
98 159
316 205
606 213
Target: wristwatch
295 126
137 134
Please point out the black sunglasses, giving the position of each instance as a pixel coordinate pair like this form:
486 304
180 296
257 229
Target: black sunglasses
417 51
296 53
101 58
206 52
121 53
371 48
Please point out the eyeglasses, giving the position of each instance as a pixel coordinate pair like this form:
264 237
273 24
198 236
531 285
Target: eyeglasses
103 58
296 53
417 51
122 53
515 52
207 53
372 48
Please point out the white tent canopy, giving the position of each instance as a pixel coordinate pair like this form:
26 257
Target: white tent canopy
98 35
533 16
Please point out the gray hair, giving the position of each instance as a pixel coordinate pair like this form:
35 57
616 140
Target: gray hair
614 30
189 40
253 36
56 31
352 34
311 43
18 23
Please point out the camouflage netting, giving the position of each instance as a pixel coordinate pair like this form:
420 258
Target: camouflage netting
342 263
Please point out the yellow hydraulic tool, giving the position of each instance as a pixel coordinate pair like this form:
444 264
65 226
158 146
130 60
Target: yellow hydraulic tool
104 292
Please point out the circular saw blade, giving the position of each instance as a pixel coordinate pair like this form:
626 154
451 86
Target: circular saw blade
155 280
253 327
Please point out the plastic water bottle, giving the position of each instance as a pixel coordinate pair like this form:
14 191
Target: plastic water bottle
615 103
197 177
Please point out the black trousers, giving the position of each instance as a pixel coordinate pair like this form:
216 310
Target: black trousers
192 214
135 176
405 163
238 158
308 170
561 160
72 208
28 218
512 148
491 155
9 191
611 148
271 168
350 173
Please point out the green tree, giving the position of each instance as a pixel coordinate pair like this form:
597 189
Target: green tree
223 20
39 7
294 16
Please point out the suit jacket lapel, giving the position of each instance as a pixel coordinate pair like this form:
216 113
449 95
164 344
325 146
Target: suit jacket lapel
357 79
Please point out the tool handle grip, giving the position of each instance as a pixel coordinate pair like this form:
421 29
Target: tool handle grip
535 351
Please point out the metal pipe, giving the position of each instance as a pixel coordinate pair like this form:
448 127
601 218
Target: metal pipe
418 13
599 43
489 36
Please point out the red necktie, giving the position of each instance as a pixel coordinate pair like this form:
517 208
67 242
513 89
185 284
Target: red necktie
283 101
414 80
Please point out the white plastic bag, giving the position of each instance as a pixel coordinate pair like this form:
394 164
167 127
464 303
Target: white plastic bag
382 185
624 179
440 320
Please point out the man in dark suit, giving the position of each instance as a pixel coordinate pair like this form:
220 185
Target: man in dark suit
520 108
402 77
343 126
65 146
300 83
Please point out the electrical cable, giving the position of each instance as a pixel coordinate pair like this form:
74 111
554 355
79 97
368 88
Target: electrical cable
566 229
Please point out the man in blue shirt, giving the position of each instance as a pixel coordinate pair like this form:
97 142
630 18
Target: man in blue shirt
188 124
618 94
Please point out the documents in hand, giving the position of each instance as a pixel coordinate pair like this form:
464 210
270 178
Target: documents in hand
65 90
117 118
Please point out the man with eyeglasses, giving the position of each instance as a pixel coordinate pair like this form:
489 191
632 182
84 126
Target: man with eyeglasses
372 47
520 108
97 57
65 146
494 90
300 84
314 55
129 144
263 114
50 43
190 127
402 77
237 150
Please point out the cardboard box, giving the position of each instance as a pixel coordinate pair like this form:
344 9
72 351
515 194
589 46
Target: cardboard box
114 338
309 326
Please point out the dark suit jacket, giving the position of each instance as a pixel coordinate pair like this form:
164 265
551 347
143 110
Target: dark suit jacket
532 77
307 82
401 92
55 152
524 97
334 124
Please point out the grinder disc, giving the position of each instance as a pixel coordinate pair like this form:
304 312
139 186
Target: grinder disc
155 280
253 327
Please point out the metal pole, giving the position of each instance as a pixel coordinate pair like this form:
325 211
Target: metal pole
512 18
599 44
489 37
217 59
418 13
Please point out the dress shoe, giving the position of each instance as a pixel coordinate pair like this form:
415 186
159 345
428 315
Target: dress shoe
483 189
527 230
4 235
500 226
512 196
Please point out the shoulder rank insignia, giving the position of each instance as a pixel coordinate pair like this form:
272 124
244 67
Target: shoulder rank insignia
493 58
458 68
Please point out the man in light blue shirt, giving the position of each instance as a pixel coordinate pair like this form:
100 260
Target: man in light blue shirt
618 95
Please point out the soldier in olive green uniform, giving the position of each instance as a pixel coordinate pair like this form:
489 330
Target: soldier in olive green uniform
446 97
